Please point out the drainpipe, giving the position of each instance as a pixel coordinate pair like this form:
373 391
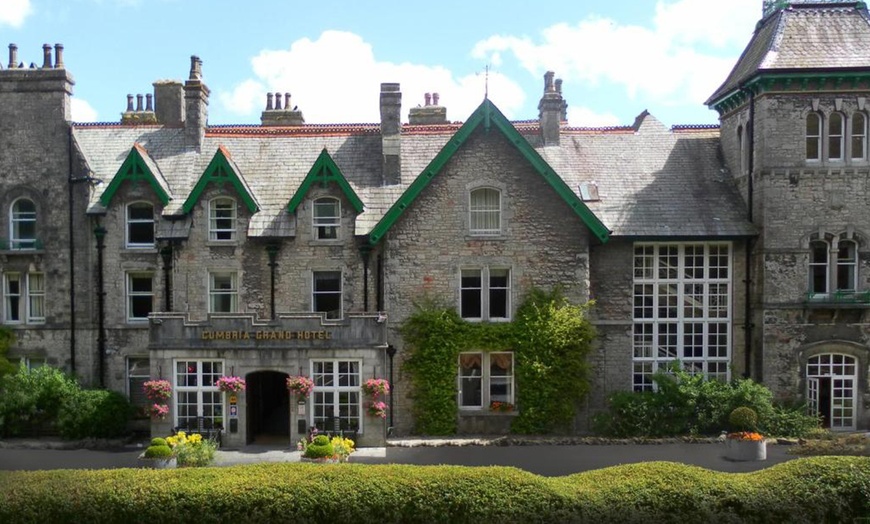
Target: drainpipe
100 233
380 284
365 251
272 251
72 258
391 352
747 312
166 253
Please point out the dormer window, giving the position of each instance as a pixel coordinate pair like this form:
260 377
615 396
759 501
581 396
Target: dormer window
327 218
485 211
22 224
140 225
222 219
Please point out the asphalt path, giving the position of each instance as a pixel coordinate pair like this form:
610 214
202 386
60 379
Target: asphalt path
548 460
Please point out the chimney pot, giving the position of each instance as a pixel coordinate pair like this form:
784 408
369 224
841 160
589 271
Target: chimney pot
129 103
277 100
13 56
435 98
58 56
195 68
548 82
287 101
46 56
428 98
139 102
268 101
559 85
149 102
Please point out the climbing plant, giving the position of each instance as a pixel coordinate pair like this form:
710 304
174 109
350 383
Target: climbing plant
7 338
550 338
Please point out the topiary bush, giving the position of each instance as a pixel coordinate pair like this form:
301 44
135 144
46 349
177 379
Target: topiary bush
743 419
158 441
96 413
320 447
158 451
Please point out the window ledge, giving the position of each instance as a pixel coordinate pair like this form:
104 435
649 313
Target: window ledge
839 300
8 252
222 243
146 250
481 412
501 237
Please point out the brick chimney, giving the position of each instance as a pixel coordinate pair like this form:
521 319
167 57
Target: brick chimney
550 110
195 104
274 115
169 103
428 114
391 128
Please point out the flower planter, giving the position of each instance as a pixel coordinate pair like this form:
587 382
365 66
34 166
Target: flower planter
158 463
746 450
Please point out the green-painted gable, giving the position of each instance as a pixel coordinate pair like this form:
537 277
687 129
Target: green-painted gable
488 115
134 169
220 172
325 171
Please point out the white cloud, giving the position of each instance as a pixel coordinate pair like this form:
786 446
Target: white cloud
81 111
586 117
675 61
337 78
13 12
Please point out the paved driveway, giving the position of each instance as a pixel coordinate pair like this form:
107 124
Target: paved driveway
549 460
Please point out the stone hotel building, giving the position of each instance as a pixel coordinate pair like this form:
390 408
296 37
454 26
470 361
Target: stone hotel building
164 247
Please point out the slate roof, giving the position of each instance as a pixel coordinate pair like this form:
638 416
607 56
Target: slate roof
804 38
653 182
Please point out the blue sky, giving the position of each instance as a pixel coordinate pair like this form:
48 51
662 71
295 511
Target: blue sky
615 58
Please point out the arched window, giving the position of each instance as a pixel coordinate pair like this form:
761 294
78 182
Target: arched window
833 267
814 136
222 219
832 389
836 135
22 224
847 266
327 218
819 259
859 136
485 211
140 225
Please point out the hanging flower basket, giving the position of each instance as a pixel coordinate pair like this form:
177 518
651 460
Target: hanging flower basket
158 411
157 390
375 387
230 384
377 409
300 385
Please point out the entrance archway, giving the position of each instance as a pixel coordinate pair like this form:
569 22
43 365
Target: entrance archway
268 408
831 389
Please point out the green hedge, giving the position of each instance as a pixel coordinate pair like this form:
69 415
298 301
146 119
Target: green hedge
818 489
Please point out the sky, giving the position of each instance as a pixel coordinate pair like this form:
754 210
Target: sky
616 59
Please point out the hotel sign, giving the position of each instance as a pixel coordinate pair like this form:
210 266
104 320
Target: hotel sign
209 334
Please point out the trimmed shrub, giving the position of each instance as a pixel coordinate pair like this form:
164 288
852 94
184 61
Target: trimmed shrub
96 413
158 451
320 447
811 490
158 441
743 419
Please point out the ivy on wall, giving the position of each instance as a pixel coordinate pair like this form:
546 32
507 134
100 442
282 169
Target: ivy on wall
550 339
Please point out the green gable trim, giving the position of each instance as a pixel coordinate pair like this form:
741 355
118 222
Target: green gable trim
219 171
488 115
134 169
325 171
795 81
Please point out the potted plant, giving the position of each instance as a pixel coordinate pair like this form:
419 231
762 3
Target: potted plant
230 384
320 450
158 455
192 450
300 385
745 443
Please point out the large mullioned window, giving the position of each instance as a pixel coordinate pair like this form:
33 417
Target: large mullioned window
836 137
682 310
336 393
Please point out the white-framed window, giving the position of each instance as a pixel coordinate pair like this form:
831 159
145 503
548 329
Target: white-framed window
682 310
859 136
24 298
836 136
140 225
336 393
832 392
138 372
223 292
22 224
140 296
484 207
326 293
196 394
833 266
222 219
485 293
485 378
326 218
31 363
814 136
